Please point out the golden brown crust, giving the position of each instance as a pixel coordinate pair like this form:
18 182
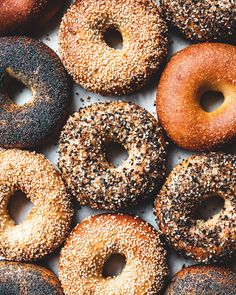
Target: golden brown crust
189 184
190 73
21 16
48 223
27 279
90 177
203 280
206 20
95 239
96 66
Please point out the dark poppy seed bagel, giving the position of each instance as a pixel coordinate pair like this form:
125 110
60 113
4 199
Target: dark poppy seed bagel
100 68
203 280
190 73
40 69
94 240
198 20
27 279
48 223
82 159
187 187
22 16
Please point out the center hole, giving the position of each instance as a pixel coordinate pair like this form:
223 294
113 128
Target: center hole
114 265
113 38
19 206
116 154
19 92
211 101
209 207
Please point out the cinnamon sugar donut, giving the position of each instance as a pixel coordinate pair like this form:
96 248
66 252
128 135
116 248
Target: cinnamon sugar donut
40 69
198 20
203 280
100 68
94 240
27 279
22 16
82 160
189 184
189 74
48 223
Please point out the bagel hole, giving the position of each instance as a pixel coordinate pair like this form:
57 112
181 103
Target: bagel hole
114 265
211 100
209 207
19 206
113 38
115 153
19 93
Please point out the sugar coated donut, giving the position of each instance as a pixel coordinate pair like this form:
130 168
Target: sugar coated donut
27 279
48 223
90 177
203 280
22 16
206 20
189 74
187 187
100 68
40 69
94 240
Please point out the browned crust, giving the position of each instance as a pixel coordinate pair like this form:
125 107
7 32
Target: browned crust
191 72
99 236
204 280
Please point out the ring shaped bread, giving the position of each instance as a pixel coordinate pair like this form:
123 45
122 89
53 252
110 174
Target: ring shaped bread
189 184
90 177
190 73
48 223
94 240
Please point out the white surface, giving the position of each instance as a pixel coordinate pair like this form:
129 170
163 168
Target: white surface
146 99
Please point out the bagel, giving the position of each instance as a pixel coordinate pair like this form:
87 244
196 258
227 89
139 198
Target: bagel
206 20
39 68
100 68
48 223
27 279
189 74
189 184
94 181
203 280
22 16
94 240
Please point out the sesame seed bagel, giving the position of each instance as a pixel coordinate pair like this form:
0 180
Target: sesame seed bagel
206 20
48 223
187 187
82 159
203 280
27 279
40 69
22 16
190 73
100 68
94 240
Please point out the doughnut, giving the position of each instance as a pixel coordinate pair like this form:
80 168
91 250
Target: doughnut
190 184
39 68
27 279
23 16
90 177
94 240
102 69
207 280
47 225
200 21
189 74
